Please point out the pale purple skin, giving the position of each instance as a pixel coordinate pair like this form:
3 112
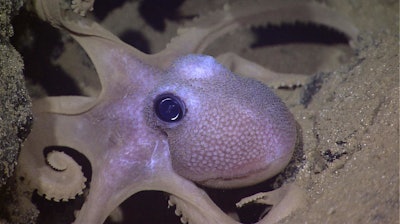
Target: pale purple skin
236 132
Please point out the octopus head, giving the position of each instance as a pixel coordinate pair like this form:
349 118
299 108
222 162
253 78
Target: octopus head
223 130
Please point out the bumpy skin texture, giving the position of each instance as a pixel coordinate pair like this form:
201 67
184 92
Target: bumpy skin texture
235 132
235 129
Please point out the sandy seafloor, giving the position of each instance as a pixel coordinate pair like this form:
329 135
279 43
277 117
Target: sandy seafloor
349 166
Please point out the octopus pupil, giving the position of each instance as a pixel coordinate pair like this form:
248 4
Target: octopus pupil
169 108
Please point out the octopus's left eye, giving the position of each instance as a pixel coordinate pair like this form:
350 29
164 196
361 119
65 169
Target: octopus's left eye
169 108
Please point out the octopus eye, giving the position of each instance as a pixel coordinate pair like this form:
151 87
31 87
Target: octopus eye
169 107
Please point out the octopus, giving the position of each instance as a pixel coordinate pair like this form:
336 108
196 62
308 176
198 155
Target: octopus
170 121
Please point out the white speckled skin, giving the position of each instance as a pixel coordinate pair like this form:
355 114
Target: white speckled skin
236 131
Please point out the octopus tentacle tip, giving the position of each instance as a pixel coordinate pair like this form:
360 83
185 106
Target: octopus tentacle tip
61 180
57 160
